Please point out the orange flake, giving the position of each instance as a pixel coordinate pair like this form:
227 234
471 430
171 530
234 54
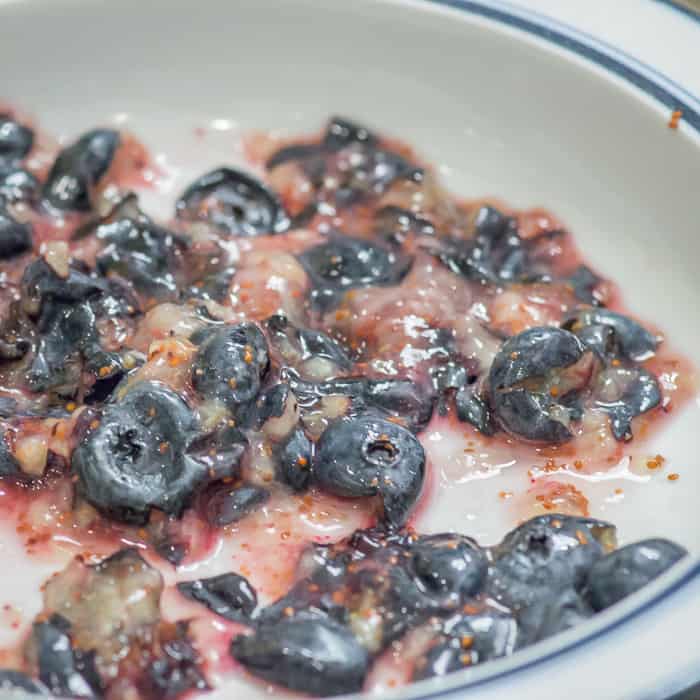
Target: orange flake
675 119
673 477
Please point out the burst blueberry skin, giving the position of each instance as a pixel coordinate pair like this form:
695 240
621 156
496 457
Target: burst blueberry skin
15 681
229 595
229 366
628 569
304 653
630 339
17 184
228 504
79 168
294 458
367 456
235 202
135 459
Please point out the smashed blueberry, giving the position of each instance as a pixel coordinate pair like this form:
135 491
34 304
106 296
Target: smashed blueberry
79 168
367 456
233 201
631 340
628 569
534 354
16 140
9 466
293 460
449 566
627 393
305 653
228 504
469 639
11 680
17 184
293 152
15 237
143 253
394 224
62 670
135 459
547 553
220 450
344 263
229 366
228 595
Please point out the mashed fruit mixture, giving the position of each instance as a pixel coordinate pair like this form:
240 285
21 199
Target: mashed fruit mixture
221 432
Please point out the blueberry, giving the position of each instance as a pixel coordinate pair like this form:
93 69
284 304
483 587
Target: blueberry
449 566
637 391
628 569
41 284
228 595
631 339
11 681
469 639
343 263
534 354
233 201
136 460
272 403
546 553
17 184
16 140
559 611
342 132
15 237
78 169
62 670
293 459
228 504
229 366
143 253
367 456
304 653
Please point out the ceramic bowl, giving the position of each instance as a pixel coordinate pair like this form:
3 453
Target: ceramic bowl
509 103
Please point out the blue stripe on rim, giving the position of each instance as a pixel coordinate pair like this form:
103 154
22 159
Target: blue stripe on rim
682 8
655 84
673 96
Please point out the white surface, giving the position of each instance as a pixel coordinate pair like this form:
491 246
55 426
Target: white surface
505 113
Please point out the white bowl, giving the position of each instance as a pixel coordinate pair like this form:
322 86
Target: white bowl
511 104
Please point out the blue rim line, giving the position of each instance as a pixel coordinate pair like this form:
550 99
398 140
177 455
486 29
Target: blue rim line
647 79
682 8
668 93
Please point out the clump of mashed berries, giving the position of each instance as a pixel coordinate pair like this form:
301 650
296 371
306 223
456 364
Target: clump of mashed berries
222 428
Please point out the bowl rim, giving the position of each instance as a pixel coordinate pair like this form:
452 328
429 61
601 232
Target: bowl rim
668 94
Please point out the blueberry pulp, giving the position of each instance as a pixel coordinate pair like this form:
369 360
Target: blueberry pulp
78 169
367 456
344 263
233 201
135 459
